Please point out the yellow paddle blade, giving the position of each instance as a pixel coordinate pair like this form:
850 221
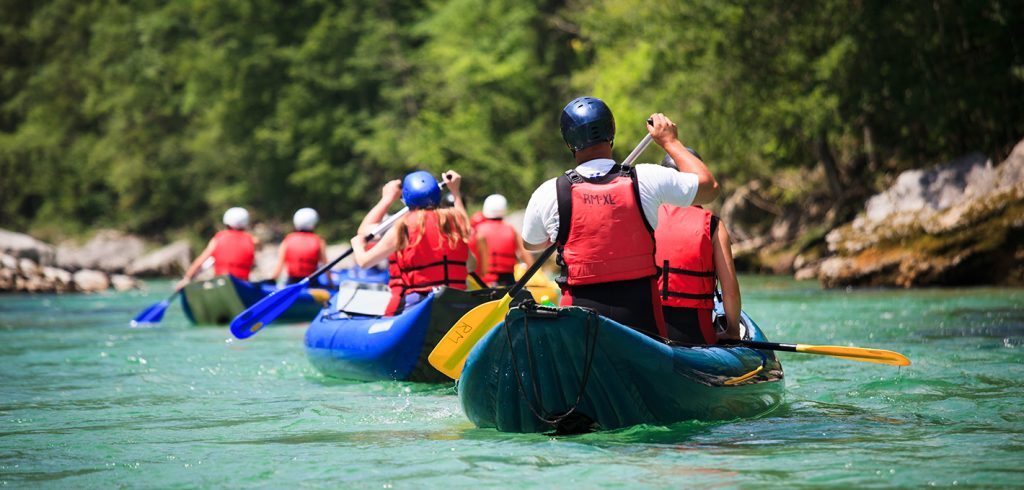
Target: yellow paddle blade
450 353
320 295
879 356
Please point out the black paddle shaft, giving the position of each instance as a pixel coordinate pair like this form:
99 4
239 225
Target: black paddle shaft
518 286
753 344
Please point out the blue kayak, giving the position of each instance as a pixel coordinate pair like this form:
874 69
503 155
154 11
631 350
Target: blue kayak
571 370
216 301
349 344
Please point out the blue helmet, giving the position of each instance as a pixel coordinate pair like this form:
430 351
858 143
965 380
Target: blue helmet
420 190
587 121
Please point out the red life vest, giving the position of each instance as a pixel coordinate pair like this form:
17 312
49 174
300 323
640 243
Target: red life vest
233 253
428 260
395 284
602 230
301 253
501 247
685 254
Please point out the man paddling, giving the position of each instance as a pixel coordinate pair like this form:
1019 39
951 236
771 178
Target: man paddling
302 251
232 249
499 245
603 216
694 251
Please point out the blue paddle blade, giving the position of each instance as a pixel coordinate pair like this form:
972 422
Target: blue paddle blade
153 314
265 311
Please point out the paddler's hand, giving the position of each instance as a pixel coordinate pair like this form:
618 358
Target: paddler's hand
358 243
662 129
182 283
730 333
453 180
391 191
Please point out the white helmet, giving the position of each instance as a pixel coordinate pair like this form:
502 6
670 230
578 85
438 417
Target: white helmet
495 206
305 219
237 218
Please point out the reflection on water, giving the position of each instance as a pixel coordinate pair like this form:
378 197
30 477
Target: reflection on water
87 401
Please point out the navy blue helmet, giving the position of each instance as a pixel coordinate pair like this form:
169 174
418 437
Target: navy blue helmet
587 121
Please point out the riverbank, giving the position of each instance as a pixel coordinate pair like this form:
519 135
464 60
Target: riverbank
954 223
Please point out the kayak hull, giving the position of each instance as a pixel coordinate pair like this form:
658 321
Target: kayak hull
375 348
218 300
572 370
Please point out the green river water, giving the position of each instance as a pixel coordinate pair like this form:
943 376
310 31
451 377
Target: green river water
86 401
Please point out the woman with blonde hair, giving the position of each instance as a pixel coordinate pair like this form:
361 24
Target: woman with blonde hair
430 244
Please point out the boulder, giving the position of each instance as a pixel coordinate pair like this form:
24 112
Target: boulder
958 223
121 282
169 261
108 251
28 268
90 281
19 245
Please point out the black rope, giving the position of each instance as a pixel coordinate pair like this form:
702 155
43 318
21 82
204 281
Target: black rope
537 404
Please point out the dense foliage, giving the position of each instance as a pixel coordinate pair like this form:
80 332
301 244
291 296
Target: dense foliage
155 116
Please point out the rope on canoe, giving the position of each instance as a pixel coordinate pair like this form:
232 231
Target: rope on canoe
536 405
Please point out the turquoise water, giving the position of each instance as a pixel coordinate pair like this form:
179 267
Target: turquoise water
88 402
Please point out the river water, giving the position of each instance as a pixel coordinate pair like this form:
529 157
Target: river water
86 401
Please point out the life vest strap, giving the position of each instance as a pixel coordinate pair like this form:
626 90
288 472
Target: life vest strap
686 272
444 263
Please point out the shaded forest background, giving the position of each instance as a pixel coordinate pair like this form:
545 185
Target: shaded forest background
153 117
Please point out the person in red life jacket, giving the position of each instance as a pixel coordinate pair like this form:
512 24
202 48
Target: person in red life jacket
476 218
430 244
603 215
233 249
499 245
693 249
302 251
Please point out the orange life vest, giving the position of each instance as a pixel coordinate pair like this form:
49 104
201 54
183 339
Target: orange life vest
233 253
301 253
428 260
501 247
685 255
602 231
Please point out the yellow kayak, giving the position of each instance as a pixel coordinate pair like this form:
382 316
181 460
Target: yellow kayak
544 290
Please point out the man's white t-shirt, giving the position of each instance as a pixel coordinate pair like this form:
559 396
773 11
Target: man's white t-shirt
658 185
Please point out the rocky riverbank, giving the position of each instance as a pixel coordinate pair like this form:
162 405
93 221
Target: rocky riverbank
957 223
109 260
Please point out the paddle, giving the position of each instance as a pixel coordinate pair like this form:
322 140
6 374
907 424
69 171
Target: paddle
450 353
266 310
852 353
155 312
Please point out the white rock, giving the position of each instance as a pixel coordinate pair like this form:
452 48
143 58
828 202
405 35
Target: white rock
28 267
58 275
87 280
20 245
109 251
168 261
122 282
